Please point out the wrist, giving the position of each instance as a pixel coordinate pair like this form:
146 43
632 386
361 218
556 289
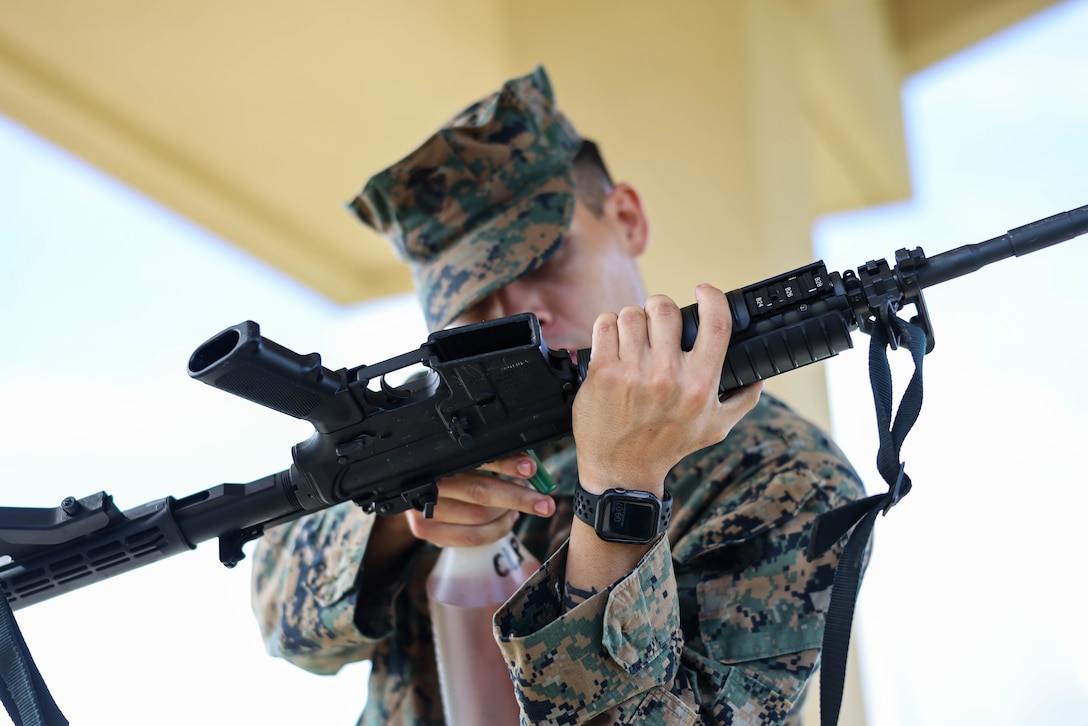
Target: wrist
597 480
623 515
594 565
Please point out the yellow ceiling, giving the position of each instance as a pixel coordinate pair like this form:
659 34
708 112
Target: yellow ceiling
258 119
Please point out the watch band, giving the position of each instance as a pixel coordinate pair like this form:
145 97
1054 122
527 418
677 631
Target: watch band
586 504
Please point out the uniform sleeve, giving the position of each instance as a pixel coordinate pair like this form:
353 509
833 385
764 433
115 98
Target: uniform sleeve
723 626
615 647
305 594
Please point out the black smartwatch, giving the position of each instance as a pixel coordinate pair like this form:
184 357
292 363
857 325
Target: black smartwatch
623 515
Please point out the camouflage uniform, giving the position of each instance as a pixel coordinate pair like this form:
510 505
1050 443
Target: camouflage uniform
721 621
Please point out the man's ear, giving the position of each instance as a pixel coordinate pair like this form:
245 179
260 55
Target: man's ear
623 207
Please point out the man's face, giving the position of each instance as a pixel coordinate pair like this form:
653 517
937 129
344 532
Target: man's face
593 271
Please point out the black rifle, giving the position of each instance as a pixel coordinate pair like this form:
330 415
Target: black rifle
488 390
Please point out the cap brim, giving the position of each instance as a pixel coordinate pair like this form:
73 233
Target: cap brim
499 251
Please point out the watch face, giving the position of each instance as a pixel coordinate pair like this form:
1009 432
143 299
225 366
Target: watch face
625 519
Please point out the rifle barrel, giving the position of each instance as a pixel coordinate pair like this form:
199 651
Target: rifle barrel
1016 242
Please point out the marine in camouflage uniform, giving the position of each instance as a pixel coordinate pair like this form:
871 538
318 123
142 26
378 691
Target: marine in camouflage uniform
720 622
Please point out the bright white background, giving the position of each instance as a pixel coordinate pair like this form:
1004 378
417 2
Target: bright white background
972 609
104 297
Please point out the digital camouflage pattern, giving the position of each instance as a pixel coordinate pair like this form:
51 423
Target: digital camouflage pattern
722 620
483 201
720 623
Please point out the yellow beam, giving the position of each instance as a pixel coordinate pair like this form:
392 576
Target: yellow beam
928 31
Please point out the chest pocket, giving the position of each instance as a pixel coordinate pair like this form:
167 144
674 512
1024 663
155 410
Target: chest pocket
754 585
763 621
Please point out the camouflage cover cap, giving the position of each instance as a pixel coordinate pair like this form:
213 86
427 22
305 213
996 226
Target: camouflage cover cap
483 201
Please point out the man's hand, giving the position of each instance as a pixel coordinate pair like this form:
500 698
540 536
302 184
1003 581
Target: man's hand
478 507
646 403
473 508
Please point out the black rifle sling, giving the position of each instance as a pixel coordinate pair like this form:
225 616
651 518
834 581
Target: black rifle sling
22 689
861 515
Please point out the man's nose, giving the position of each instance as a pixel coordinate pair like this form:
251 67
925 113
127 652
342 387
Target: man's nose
521 297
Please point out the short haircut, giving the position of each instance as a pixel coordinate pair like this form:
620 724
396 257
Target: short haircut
592 182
